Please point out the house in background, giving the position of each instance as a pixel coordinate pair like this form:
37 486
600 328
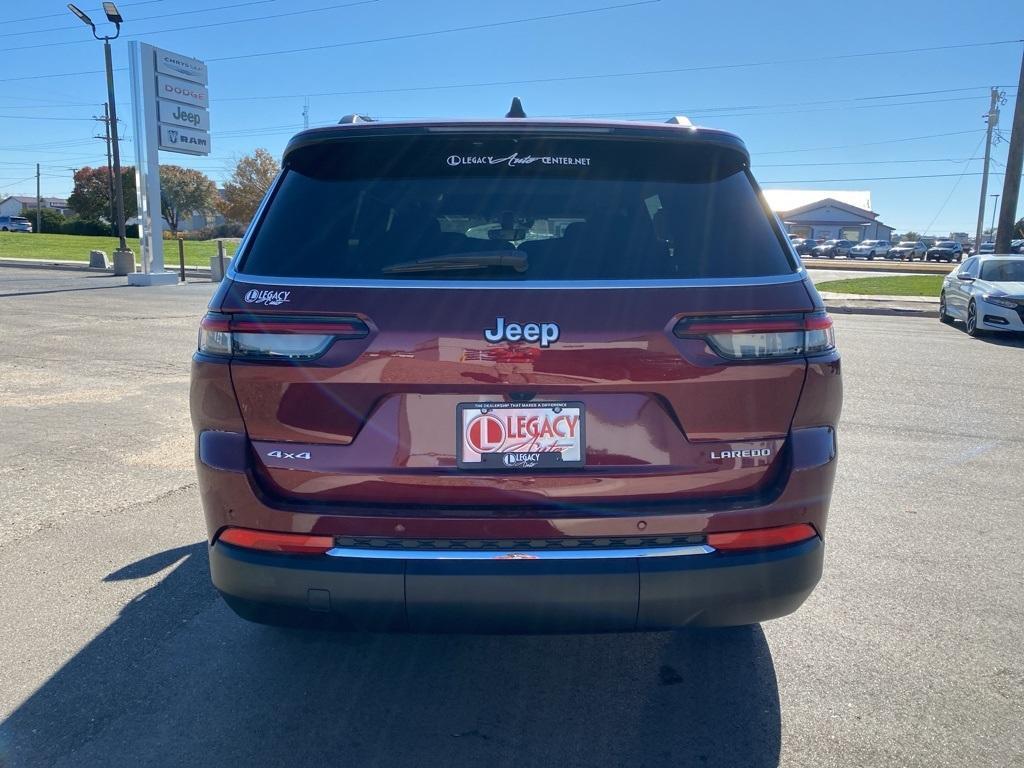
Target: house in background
16 205
828 215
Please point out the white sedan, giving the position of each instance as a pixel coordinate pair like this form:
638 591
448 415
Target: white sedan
986 293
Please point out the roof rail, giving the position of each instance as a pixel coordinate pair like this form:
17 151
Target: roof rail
353 118
680 120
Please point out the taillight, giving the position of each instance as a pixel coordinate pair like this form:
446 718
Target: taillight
761 538
759 337
272 541
274 338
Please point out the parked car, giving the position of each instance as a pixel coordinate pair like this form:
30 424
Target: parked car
987 247
1017 246
804 246
832 248
15 224
408 431
869 249
945 250
907 250
986 293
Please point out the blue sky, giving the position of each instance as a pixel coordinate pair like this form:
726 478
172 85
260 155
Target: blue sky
805 116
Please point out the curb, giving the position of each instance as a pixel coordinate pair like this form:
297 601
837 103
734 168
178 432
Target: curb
884 265
847 309
82 266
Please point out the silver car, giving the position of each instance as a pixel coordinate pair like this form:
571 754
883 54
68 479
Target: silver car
907 249
869 249
986 293
15 224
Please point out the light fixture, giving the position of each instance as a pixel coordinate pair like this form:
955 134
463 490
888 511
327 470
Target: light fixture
81 14
113 15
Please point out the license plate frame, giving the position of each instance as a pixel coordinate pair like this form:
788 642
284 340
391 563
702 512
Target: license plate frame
533 452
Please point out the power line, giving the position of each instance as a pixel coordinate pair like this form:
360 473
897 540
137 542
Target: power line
40 117
874 178
955 185
434 32
868 162
724 112
151 32
870 143
568 78
133 20
64 13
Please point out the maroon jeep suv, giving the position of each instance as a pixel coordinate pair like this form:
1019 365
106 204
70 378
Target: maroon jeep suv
515 376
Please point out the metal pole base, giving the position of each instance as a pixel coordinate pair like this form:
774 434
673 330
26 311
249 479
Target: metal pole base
124 262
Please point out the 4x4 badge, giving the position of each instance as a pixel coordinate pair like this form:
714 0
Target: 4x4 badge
545 333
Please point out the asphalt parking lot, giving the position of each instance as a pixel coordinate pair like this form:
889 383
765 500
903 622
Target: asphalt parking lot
115 651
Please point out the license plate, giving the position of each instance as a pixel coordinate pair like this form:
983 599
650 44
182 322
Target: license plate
518 436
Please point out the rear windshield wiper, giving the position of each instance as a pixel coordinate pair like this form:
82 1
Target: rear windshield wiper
462 261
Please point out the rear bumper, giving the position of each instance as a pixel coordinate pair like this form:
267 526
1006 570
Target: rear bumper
589 595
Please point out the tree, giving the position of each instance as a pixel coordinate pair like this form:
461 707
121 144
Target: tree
248 184
91 196
1018 229
911 235
184 192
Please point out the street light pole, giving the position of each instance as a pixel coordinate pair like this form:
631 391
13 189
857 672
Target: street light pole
114 17
992 226
115 150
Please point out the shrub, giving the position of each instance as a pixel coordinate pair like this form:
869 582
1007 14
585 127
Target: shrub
51 220
101 228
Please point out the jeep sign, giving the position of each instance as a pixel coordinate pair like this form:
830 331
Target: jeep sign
172 113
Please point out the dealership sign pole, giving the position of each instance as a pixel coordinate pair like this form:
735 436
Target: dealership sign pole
170 112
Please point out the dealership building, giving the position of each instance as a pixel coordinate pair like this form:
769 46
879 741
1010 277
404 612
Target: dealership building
16 205
828 214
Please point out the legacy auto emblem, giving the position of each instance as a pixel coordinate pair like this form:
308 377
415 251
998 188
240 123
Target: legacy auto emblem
267 298
544 333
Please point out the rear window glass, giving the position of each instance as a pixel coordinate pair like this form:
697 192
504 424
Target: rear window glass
496 208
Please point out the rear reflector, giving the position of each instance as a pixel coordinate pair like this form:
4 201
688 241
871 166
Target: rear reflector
759 337
272 541
760 538
253 337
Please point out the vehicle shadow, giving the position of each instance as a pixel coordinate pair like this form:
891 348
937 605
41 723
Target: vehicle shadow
178 680
1003 339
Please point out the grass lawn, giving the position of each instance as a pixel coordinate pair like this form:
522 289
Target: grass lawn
903 285
25 245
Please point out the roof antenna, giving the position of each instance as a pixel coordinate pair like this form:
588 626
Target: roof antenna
516 110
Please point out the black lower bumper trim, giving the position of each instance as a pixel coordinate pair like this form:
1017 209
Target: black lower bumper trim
718 589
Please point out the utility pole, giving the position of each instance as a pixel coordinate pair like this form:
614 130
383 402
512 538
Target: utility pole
39 204
110 170
992 227
305 114
992 118
1014 166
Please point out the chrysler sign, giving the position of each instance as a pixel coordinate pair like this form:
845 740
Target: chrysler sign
176 65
